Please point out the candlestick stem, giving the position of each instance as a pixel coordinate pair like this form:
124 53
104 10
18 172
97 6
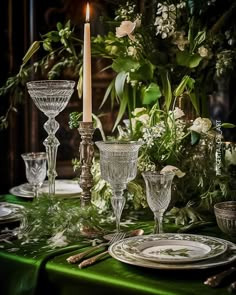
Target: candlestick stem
86 131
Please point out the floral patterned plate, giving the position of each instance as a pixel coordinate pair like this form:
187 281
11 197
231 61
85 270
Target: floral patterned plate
117 252
174 248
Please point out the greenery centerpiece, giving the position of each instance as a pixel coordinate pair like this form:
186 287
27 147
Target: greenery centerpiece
164 55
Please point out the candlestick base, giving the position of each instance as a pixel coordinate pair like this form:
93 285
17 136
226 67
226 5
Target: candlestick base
86 131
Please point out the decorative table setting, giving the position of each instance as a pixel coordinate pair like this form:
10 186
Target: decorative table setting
153 208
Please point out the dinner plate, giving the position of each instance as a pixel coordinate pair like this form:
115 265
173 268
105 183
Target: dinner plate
117 252
173 248
4 211
63 187
13 210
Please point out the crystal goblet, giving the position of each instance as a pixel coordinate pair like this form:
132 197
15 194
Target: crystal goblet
118 163
158 191
36 169
51 97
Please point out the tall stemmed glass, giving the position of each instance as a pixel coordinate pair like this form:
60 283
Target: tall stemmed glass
36 169
51 97
158 191
118 163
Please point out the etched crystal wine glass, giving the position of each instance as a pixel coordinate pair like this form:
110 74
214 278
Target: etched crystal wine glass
118 163
51 97
158 191
36 169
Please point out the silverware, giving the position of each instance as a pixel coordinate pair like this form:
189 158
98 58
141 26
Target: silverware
97 257
218 279
78 257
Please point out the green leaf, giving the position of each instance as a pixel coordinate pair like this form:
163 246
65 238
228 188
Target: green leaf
119 84
186 59
125 64
143 73
194 101
34 47
98 125
181 87
228 125
201 36
195 137
107 93
59 26
150 93
166 91
122 109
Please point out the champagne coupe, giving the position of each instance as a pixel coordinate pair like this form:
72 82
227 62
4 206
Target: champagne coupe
36 169
118 163
51 97
158 190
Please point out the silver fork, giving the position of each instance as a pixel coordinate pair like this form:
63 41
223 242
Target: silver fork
76 258
117 237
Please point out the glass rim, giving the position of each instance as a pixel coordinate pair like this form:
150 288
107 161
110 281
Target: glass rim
132 142
34 155
42 84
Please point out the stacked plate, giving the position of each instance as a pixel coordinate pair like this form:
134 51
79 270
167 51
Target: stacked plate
9 212
64 188
174 251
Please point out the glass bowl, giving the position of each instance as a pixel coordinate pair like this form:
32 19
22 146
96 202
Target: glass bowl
225 213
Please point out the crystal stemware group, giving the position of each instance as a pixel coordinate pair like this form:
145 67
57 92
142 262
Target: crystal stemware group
51 97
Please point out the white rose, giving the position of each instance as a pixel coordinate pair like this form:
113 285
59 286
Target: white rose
175 170
143 119
178 113
138 111
201 125
203 51
126 28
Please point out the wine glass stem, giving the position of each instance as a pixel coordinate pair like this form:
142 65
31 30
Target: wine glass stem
51 144
118 203
158 218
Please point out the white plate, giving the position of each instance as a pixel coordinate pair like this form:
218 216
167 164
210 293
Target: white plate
14 212
117 252
64 188
173 248
4 211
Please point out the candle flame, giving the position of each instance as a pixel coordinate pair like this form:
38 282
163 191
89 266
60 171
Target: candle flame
87 12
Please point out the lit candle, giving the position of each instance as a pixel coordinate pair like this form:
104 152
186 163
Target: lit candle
87 79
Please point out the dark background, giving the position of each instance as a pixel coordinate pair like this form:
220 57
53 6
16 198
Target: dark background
22 22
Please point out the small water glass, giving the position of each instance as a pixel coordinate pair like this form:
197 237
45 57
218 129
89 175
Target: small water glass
36 169
158 191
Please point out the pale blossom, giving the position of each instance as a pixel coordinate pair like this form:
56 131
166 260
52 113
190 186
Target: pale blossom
175 170
144 119
180 40
178 113
58 240
203 51
126 28
201 125
132 51
138 111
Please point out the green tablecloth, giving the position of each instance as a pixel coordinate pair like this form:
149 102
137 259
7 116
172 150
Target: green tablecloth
34 271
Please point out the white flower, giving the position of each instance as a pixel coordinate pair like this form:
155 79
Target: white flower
203 51
201 125
139 111
144 119
175 170
178 113
179 40
132 51
58 240
126 28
